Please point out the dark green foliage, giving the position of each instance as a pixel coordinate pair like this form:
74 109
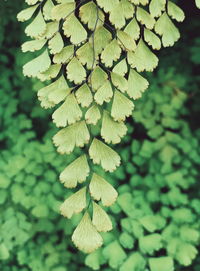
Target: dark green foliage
157 212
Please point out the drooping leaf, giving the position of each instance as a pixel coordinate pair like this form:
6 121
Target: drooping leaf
26 14
33 45
112 131
98 78
119 81
93 115
68 113
54 93
100 189
85 236
37 65
122 107
76 172
75 135
75 71
65 55
145 18
165 28
103 155
104 93
37 27
156 7
62 11
74 204
100 219
175 12
56 44
74 30
84 96
136 84
152 39
142 59
111 53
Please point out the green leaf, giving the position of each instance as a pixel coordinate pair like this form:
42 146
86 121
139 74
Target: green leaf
54 93
150 243
51 73
76 135
112 131
122 107
107 5
75 71
76 172
91 15
136 85
94 260
103 155
100 189
74 204
56 44
152 39
85 236
111 53
84 96
119 81
115 254
186 254
37 65
175 12
85 55
26 14
133 29
100 219
74 30
33 45
161 263
121 67
65 55
92 115
145 18
98 78
142 59
156 7
51 29
102 38
134 262
104 93
62 11
165 28
126 41
37 27
47 8
68 113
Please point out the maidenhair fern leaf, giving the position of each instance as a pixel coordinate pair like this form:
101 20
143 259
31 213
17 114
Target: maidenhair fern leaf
37 27
76 135
100 189
76 172
94 51
74 204
68 113
103 155
100 219
112 131
26 14
86 236
122 107
37 65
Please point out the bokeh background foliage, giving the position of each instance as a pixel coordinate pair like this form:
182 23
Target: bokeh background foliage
156 218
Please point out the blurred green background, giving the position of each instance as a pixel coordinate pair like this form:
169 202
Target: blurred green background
156 218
